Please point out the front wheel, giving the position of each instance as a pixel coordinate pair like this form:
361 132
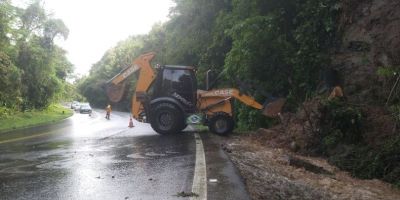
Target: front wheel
142 117
166 118
221 124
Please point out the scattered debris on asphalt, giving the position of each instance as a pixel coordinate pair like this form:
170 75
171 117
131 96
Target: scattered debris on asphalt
296 162
212 180
186 194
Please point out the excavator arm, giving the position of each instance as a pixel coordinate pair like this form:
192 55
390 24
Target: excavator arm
219 100
116 86
234 93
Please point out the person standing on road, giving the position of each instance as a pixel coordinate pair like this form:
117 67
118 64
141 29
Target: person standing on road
108 111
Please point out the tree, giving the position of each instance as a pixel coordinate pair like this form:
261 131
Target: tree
53 28
38 67
267 48
6 17
10 83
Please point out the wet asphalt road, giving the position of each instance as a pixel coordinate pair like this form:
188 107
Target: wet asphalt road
89 157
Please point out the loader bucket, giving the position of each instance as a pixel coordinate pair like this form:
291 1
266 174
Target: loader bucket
273 108
115 92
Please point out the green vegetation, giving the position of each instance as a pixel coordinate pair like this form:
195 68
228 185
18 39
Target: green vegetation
264 47
342 140
33 70
368 162
51 114
341 124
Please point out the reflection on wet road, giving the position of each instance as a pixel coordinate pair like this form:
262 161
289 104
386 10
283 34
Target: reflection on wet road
94 158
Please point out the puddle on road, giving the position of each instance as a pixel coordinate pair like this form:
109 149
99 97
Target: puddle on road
25 166
172 152
58 164
136 156
151 155
52 145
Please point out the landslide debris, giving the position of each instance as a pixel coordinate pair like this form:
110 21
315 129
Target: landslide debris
271 171
353 136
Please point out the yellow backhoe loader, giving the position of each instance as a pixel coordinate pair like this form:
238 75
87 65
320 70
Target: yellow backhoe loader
167 97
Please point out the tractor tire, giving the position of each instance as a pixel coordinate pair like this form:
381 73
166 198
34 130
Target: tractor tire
221 124
166 118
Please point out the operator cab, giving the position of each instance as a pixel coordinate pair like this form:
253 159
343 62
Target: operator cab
179 83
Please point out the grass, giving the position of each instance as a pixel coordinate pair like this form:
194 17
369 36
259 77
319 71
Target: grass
19 120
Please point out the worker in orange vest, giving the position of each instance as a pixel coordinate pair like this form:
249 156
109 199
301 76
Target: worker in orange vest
108 111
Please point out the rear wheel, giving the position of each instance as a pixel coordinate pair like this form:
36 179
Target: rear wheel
166 118
221 124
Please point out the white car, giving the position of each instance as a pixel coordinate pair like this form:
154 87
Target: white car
75 105
85 108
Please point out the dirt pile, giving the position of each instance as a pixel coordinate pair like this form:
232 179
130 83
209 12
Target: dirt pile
277 173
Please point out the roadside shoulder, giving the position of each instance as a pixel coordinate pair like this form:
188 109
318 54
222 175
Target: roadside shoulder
224 180
22 120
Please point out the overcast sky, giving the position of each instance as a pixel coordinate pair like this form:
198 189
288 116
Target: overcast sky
97 25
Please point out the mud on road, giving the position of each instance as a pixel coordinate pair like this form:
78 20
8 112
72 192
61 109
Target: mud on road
278 173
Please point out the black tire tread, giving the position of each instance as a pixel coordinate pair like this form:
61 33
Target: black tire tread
213 119
177 127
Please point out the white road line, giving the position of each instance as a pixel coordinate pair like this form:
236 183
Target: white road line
199 186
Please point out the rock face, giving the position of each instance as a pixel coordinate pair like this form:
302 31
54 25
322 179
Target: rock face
370 39
360 123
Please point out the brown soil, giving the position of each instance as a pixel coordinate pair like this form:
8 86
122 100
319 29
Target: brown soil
272 171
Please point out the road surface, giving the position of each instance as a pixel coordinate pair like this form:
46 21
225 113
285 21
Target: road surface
89 157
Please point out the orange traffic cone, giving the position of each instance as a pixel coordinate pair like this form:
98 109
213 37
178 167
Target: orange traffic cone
131 123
